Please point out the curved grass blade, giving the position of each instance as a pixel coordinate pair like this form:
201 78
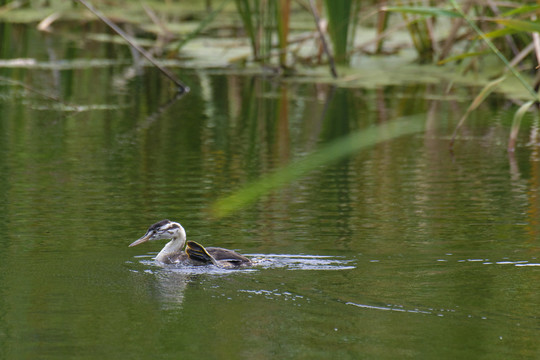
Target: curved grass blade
327 154
479 99
516 122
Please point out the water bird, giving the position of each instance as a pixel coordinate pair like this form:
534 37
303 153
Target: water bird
194 254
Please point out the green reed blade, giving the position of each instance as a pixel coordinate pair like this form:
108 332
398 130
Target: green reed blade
326 155
339 16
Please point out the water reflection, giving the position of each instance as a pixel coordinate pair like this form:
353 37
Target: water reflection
171 287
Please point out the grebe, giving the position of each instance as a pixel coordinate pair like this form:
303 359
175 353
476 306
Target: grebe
195 253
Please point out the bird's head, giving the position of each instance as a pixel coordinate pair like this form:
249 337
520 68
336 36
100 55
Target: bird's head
165 229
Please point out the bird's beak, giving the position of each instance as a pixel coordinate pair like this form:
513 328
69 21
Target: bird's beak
145 238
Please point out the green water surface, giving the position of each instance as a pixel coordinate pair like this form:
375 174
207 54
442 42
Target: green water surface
400 250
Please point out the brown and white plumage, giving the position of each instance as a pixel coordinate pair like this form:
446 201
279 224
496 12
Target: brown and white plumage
195 254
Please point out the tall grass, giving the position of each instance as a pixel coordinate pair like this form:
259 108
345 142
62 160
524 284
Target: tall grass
263 22
283 10
339 19
511 25
267 25
507 30
248 14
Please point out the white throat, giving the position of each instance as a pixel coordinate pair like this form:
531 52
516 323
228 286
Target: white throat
173 247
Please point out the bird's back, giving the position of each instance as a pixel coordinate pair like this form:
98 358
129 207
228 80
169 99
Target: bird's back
218 256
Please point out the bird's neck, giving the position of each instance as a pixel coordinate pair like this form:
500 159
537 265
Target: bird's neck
173 247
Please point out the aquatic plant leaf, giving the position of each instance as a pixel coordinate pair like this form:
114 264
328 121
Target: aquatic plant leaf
426 11
484 93
339 20
516 122
520 25
327 154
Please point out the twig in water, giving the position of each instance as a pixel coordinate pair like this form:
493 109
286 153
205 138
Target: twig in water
31 89
182 88
323 40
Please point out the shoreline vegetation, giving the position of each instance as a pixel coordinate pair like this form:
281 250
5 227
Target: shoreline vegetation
286 34
494 46
439 34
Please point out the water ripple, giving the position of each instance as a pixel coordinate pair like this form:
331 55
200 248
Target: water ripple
262 261
301 262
